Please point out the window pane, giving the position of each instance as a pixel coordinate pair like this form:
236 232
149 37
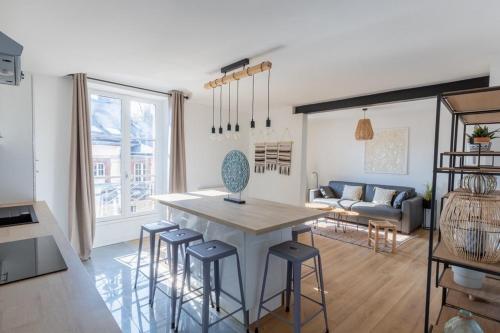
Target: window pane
106 151
142 157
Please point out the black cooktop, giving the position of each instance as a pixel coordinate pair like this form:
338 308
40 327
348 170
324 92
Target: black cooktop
29 258
17 215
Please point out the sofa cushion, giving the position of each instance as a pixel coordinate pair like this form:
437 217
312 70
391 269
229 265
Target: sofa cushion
352 192
383 196
370 191
326 192
338 187
398 200
369 209
330 201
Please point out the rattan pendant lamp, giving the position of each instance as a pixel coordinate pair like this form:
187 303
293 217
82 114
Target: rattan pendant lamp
364 130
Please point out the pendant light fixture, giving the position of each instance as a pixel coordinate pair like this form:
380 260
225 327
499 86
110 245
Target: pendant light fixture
237 126
364 130
220 111
213 111
252 122
229 112
268 120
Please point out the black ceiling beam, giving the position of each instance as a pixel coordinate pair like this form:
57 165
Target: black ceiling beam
394 96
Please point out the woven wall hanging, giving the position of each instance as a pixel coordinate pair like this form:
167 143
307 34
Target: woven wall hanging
271 156
284 157
260 158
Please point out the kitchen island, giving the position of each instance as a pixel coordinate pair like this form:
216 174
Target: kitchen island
252 228
61 302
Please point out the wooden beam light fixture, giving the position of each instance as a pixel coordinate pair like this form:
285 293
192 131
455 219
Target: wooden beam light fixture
250 71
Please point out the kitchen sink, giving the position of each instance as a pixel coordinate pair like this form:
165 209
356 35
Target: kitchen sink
17 215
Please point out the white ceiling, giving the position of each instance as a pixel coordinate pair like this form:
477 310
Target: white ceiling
320 50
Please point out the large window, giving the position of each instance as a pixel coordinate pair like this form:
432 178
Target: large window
125 154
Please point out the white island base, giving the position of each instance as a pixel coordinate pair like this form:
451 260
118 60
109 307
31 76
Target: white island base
252 250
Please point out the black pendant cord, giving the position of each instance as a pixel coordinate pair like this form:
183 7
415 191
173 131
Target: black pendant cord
252 122
220 111
237 126
268 120
229 112
213 111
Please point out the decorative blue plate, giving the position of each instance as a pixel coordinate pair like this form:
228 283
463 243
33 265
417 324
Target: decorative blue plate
235 171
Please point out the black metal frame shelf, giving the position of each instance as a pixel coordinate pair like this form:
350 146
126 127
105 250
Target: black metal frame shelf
468 107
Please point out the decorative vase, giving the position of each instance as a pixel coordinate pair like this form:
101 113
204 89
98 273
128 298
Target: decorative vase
479 184
462 323
470 226
474 147
467 277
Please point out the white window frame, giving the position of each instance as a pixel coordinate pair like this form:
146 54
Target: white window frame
99 166
160 152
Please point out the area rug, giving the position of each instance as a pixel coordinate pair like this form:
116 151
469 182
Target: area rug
354 234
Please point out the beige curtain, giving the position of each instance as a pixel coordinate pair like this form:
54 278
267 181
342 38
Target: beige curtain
177 179
81 191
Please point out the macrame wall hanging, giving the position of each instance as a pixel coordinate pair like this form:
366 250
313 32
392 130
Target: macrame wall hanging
260 158
284 157
272 156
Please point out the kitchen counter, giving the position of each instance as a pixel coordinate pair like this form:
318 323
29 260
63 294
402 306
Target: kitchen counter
62 302
255 217
252 228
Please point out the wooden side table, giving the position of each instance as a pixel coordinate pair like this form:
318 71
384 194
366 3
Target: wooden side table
381 225
318 206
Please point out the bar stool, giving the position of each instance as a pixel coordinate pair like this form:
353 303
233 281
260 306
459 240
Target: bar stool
175 240
295 254
152 229
208 252
302 229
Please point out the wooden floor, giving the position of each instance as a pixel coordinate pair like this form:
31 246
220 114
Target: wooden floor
366 291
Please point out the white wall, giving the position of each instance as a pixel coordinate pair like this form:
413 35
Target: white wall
271 185
16 148
333 152
204 155
52 101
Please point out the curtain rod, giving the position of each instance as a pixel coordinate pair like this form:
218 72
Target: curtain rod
130 86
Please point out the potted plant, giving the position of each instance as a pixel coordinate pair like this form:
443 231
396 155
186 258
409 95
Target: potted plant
427 196
481 137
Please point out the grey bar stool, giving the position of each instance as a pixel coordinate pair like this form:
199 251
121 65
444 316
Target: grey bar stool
152 229
302 229
295 254
175 240
208 252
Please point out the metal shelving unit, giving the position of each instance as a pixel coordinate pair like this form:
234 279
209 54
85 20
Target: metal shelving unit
467 108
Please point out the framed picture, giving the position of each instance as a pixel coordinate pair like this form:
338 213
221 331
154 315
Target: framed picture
387 152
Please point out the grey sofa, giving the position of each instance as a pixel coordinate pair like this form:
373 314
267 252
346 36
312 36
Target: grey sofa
406 219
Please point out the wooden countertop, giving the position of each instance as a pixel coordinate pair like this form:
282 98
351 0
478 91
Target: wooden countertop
256 216
62 302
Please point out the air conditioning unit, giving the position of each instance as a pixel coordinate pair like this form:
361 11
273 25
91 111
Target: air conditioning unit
10 61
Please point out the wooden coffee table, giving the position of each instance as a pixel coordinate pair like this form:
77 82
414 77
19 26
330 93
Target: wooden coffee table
319 206
341 216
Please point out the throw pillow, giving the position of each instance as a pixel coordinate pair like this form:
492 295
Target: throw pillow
352 192
383 196
398 201
326 192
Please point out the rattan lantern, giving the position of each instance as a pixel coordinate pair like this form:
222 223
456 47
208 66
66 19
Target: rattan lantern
470 226
364 130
